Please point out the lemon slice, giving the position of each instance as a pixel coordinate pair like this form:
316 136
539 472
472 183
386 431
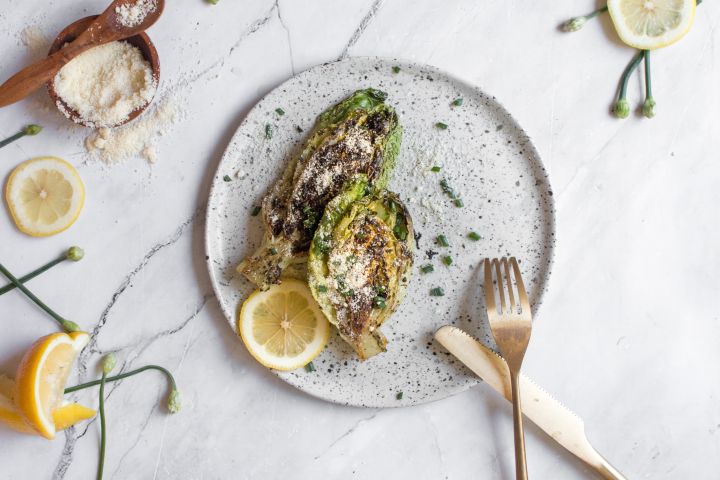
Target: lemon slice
651 24
283 327
41 377
44 195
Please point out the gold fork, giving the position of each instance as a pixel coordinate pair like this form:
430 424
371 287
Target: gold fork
511 325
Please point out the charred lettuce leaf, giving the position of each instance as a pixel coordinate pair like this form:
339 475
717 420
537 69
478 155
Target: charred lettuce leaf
359 135
359 263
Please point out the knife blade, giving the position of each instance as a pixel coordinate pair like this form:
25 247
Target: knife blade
554 418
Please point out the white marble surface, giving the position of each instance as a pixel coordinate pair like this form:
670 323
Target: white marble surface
628 335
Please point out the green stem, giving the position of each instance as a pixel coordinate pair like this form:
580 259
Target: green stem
648 81
66 324
101 462
596 12
628 71
115 378
33 274
12 138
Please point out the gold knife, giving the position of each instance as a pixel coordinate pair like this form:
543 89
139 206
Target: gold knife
563 425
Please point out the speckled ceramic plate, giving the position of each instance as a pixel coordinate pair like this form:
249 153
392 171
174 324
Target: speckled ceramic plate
483 154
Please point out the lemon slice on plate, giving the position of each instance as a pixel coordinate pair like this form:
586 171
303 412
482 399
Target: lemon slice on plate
651 24
44 195
41 377
283 327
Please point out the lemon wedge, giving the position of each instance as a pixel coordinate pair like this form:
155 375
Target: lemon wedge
9 414
283 327
66 415
44 195
41 377
651 24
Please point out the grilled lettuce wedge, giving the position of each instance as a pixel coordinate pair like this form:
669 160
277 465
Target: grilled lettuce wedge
359 135
359 263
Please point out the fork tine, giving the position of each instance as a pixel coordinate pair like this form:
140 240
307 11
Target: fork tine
488 286
500 288
508 280
525 304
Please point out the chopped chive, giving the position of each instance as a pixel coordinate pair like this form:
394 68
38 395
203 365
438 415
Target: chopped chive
427 268
441 125
399 395
273 251
474 236
442 241
379 302
437 292
255 211
227 178
268 131
457 102
280 111
322 288
435 169
396 69
447 189
447 260
459 203
310 367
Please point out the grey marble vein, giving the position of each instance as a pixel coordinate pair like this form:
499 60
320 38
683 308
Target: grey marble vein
367 19
287 34
88 350
220 62
140 432
349 432
71 437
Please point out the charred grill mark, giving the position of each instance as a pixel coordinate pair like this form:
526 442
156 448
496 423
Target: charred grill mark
354 149
370 241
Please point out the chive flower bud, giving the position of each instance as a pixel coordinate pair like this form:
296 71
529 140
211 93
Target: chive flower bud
108 363
649 107
32 129
75 254
174 403
574 24
622 108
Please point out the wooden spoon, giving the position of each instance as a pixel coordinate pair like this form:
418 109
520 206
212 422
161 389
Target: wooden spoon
104 29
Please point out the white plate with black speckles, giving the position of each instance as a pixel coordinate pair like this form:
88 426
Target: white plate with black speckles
483 154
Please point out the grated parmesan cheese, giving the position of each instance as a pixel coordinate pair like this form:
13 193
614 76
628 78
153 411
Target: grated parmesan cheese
106 84
131 15
136 139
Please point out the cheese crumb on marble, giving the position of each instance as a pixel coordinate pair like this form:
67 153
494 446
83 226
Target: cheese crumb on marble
136 139
133 14
105 84
35 40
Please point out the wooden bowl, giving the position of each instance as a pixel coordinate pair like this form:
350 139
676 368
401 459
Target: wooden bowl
70 33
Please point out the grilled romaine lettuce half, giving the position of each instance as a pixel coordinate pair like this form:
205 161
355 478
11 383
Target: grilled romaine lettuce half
359 135
359 263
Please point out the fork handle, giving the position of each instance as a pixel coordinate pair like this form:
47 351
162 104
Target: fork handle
520 460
